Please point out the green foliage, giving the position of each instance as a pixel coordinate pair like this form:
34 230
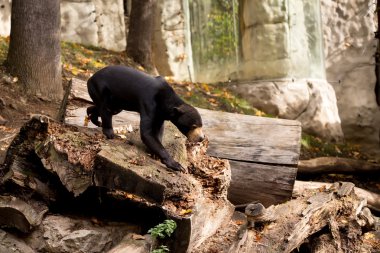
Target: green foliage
220 27
214 33
312 147
215 97
164 229
3 49
161 249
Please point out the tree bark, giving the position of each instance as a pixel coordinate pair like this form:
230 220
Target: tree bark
139 41
373 199
34 50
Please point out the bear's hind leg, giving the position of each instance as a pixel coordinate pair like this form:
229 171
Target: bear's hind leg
93 114
107 128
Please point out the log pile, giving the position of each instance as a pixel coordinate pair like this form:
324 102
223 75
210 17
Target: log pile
67 189
49 162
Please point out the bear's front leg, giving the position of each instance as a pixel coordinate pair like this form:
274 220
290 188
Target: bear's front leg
172 164
150 139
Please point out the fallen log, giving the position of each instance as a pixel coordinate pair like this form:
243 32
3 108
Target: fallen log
336 165
373 199
297 221
80 158
263 152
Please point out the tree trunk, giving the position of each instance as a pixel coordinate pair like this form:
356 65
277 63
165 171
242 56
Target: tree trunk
139 41
34 50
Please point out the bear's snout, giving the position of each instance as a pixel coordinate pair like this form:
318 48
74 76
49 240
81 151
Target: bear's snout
196 135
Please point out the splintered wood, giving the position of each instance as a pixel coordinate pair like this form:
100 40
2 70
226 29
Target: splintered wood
323 220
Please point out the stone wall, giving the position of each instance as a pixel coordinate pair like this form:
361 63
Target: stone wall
349 27
90 22
94 22
265 26
170 46
5 17
281 38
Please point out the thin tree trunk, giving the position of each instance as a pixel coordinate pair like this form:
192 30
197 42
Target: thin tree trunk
139 41
34 51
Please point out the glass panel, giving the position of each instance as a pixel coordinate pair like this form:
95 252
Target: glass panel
279 39
214 37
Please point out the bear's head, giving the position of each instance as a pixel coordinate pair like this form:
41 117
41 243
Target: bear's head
188 120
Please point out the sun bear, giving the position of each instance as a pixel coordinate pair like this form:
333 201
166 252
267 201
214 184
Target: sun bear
117 88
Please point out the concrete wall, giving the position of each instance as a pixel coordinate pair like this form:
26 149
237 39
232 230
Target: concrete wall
349 27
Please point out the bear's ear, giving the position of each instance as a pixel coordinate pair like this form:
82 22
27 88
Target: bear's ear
178 110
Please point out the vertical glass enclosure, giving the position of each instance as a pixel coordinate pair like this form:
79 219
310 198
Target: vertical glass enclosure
214 38
258 40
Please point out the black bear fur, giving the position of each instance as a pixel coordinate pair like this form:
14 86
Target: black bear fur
117 88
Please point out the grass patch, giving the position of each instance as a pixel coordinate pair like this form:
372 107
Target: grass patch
312 147
4 45
215 97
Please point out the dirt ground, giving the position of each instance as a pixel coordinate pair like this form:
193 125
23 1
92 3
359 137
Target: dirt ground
16 108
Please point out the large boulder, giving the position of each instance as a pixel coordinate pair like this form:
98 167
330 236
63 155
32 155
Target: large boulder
313 103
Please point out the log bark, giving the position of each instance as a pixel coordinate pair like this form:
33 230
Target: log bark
373 199
315 212
336 165
34 49
336 211
81 158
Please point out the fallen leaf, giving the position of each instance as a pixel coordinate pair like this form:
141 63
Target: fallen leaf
186 211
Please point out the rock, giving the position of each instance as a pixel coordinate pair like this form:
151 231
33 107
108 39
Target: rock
111 25
78 22
94 22
16 213
2 103
350 46
311 102
13 106
74 235
133 244
11 244
170 48
3 121
5 17
321 117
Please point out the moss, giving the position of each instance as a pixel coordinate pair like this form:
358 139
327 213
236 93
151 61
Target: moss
312 147
4 42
